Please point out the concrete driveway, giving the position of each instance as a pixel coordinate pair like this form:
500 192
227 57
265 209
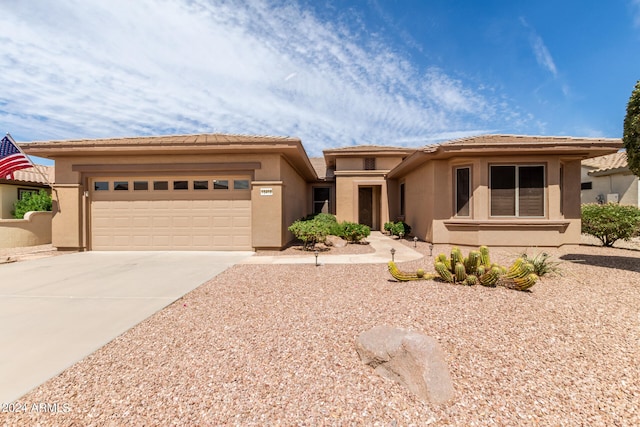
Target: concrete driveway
56 311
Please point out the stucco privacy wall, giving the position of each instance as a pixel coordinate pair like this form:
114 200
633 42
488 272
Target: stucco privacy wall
8 197
33 230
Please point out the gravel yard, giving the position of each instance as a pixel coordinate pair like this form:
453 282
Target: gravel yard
274 345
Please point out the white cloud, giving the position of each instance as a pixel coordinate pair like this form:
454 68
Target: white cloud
540 50
635 12
88 68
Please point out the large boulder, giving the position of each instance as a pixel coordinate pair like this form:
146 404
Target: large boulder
408 357
335 241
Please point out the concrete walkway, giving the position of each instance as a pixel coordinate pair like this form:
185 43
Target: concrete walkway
57 310
381 243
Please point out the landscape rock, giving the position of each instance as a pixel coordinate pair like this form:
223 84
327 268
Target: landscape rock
336 241
408 357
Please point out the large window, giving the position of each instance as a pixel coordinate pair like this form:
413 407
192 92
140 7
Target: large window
402 200
321 200
517 190
463 191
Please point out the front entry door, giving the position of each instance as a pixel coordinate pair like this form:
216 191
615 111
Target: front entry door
365 206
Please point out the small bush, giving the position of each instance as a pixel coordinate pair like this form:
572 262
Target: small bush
397 228
610 222
352 232
310 232
40 201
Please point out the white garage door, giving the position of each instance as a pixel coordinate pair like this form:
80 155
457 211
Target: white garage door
171 213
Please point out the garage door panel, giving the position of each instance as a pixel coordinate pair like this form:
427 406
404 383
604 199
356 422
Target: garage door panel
167 224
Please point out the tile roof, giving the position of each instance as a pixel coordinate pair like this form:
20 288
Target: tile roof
366 148
32 175
217 138
604 163
504 139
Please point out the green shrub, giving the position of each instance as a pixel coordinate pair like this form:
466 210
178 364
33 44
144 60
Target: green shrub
352 232
610 222
397 228
40 201
310 232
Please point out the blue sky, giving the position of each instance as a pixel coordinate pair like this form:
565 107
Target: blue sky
333 73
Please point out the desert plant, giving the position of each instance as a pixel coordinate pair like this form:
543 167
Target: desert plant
402 276
40 201
476 269
610 222
542 264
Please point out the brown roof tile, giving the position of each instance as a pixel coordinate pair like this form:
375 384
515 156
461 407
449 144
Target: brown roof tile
605 163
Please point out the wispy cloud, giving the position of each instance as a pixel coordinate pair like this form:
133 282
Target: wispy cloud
635 12
98 69
540 50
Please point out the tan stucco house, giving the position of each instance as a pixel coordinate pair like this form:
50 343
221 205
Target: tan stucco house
608 179
238 192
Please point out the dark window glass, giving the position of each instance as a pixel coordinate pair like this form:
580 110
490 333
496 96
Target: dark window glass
121 185
240 184
101 186
180 185
200 185
220 184
140 185
463 191
160 185
503 190
321 200
586 186
402 199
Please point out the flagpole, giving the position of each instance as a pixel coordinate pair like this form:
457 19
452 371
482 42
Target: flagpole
46 178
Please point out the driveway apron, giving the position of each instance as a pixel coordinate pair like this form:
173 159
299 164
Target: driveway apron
56 311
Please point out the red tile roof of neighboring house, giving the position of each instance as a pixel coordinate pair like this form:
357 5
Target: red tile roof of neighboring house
607 163
44 175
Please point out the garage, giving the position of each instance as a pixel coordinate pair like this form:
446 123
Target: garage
179 212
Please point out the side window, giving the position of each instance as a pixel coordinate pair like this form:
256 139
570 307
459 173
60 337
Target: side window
220 184
463 191
101 186
240 184
160 185
140 185
121 185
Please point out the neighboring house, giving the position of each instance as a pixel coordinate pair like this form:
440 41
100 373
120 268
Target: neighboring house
236 192
25 181
608 179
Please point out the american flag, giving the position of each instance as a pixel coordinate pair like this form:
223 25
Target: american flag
11 159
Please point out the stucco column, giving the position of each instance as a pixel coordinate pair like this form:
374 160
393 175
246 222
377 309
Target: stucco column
266 214
67 222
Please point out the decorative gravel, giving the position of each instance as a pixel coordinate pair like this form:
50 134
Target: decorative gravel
274 345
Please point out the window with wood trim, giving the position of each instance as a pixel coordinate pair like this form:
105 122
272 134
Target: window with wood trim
517 190
463 191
